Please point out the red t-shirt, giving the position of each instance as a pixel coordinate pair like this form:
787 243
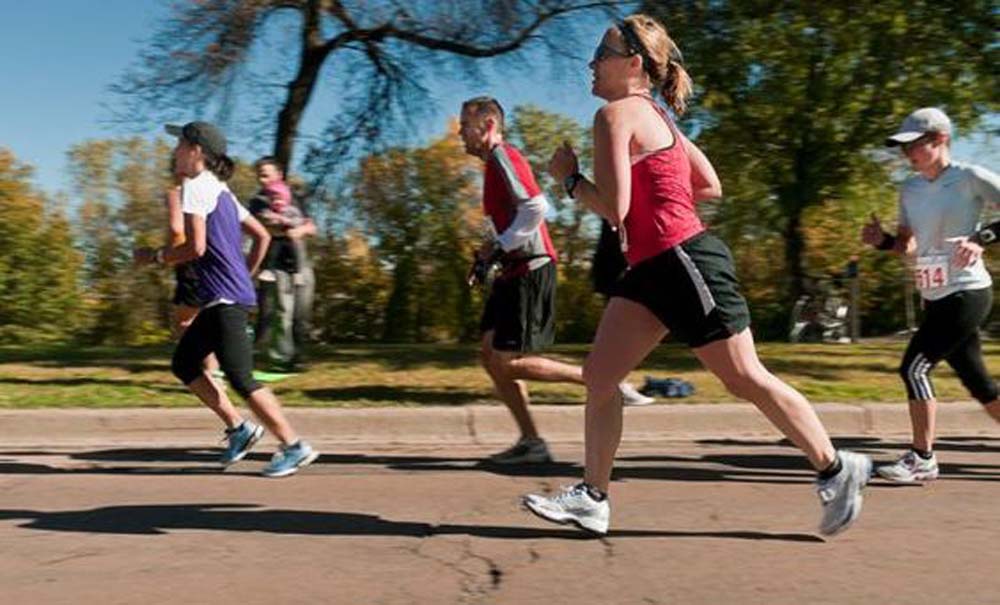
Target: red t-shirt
509 181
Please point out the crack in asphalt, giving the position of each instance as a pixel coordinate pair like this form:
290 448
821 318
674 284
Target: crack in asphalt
475 588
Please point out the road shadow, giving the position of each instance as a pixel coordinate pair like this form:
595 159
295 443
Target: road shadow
180 461
160 519
377 392
972 444
773 467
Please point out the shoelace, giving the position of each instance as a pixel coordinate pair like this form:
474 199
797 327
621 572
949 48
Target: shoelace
569 493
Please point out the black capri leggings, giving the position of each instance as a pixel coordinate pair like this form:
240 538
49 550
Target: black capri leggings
950 331
219 329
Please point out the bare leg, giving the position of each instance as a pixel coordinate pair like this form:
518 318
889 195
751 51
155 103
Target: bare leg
626 335
208 391
512 392
923 418
543 369
267 408
993 409
734 360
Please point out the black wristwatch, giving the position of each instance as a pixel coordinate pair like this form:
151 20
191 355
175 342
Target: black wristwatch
570 183
986 236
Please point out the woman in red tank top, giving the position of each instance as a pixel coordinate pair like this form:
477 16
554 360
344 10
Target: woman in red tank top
647 180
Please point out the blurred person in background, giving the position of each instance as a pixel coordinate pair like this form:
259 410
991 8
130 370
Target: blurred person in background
287 283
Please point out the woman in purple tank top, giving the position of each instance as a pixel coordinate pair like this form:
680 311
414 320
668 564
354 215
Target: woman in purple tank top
214 225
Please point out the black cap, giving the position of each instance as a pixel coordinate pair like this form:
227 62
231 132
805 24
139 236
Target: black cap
206 135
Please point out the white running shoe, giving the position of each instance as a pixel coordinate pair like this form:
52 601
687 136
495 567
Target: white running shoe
910 468
573 505
631 396
840 495
527 450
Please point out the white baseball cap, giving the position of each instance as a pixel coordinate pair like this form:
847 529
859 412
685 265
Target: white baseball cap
919 123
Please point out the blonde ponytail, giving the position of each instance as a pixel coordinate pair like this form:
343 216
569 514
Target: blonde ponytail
663 60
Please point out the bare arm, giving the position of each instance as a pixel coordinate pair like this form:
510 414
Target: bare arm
261 239
306 229
705 183
906 244
175 217
194 244
610 193
902 243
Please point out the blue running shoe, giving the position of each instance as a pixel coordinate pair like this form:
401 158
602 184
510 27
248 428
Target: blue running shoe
241 439
290 458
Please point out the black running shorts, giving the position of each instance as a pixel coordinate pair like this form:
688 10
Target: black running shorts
521 311
186 291
692 289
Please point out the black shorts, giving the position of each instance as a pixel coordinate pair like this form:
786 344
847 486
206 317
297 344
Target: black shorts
186 291
521 311
692 289
219 329
950 331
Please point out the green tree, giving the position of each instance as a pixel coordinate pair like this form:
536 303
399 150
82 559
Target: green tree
793 96
572 226
121 184
417 208
39 268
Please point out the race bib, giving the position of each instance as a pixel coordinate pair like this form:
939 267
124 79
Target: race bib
932 271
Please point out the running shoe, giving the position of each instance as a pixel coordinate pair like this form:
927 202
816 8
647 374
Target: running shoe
910 468
528 450
573 505
289 459
240 439
630 396
840 495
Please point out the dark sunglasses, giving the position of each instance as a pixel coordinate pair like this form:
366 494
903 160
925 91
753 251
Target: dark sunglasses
603 51
908 147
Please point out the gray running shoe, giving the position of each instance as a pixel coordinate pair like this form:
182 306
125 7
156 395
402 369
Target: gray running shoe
910 468
573 505
630 396
840 495
528 450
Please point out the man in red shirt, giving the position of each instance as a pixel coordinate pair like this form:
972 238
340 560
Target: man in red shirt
519 317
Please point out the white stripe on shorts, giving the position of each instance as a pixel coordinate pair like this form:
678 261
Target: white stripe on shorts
919 381
704 294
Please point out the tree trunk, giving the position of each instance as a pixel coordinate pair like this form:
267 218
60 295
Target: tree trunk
299 92
794 247
314 52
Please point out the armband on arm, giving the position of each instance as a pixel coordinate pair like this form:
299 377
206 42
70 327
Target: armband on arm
988 234
888 242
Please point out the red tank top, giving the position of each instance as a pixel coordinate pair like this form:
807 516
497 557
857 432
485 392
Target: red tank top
662 209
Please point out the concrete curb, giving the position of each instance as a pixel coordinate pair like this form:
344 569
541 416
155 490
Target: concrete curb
468 425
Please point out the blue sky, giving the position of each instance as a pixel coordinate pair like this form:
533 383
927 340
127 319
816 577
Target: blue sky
59 57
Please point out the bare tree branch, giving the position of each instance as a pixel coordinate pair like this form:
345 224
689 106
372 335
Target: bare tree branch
206 47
